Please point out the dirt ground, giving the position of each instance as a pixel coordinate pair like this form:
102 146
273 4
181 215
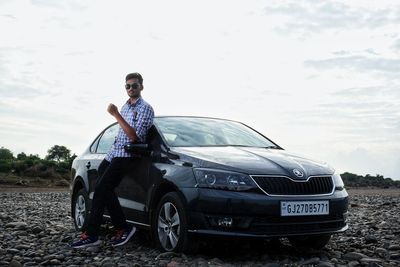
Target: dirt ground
24 189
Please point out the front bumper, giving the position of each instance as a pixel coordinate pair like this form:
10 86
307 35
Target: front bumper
253 214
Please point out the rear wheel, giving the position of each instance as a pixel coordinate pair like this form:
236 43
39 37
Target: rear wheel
169 225
310 242
80 209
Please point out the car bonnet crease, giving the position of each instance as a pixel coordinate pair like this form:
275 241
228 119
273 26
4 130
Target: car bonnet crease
252 160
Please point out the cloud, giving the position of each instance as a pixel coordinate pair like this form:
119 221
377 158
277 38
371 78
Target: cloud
391 92
312 17
8 16
18 90
364 116
74 5
396 45
358 63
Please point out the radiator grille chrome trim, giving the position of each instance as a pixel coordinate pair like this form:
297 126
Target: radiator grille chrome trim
294 182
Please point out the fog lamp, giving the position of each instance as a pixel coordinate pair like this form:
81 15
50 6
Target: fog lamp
225 222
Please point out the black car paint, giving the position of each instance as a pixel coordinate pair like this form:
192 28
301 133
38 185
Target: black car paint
171 168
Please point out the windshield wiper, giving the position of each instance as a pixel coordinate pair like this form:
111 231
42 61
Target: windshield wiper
268 147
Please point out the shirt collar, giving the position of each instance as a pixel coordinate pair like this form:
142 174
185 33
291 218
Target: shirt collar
138 101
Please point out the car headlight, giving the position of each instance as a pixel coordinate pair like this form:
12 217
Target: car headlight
339 185
227 180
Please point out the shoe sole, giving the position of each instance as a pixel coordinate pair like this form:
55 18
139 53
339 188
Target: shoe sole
98 242
133 231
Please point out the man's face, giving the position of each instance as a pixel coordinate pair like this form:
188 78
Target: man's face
133 91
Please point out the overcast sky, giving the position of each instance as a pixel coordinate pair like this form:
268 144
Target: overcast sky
320 78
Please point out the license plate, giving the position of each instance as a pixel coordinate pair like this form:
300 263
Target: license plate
304 208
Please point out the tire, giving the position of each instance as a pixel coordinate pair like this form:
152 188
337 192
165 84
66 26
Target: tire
80 210
169 226
316 242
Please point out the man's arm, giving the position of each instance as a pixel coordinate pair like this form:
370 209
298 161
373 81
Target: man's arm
130 131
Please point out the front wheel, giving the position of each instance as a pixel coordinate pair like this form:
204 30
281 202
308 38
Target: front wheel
170 225
80 209
316 242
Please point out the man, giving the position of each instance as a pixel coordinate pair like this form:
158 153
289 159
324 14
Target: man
135 120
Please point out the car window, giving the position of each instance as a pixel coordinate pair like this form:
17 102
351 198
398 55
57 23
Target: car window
181 131
94 145
107 139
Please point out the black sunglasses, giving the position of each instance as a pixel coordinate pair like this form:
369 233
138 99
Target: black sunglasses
133 85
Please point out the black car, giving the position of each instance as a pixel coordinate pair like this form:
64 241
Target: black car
204 176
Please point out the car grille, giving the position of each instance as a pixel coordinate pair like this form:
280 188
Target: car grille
316 185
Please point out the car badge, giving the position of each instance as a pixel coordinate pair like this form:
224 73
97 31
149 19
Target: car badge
298 173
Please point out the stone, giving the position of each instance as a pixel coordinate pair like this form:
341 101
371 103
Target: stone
17 225
310 261
369 239
354 256
394 256
381 252
394 247
15 263
166 255
370 260
325 264
13 251
45 240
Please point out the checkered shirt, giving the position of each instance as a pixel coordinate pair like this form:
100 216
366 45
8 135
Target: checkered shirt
139 116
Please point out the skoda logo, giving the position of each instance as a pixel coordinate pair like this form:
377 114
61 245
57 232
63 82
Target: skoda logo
297 173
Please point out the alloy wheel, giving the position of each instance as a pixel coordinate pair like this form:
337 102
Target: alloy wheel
169 226
80 211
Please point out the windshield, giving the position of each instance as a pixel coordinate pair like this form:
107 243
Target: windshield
189 131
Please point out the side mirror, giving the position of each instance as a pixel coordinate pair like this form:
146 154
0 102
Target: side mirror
137 149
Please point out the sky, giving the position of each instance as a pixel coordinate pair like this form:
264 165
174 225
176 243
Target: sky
320 78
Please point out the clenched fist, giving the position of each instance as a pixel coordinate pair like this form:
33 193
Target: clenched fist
112 109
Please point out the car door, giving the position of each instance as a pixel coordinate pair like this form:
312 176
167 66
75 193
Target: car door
131 191
98 150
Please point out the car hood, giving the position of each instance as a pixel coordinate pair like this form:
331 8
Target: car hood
252 160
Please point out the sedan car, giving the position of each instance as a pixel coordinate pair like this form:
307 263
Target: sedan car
212 177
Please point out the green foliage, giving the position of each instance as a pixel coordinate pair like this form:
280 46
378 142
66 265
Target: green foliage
56 165
354 180
5 165
58 153
22 156
6 154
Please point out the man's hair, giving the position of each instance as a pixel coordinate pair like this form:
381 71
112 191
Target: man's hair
135 75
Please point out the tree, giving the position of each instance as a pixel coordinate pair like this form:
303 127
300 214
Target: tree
58 153
6 154
21 156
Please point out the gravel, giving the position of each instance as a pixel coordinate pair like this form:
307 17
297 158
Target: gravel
36 229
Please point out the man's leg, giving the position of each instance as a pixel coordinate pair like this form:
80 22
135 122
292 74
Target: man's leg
104 196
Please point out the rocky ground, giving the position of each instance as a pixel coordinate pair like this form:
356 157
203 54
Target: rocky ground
36 229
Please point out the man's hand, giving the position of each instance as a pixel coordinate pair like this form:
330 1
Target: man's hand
112 109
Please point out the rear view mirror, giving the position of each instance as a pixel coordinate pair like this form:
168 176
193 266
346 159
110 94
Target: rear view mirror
137 149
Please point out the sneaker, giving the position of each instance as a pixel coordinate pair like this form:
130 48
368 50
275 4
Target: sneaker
123 236
86 241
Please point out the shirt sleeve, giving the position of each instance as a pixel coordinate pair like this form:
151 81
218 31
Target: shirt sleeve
143 122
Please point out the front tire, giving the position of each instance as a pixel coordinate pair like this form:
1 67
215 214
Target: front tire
80 210
170 225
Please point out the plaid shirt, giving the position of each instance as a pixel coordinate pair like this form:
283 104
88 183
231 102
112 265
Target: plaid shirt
140 117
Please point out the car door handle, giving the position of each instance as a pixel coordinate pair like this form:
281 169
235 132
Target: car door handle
88 165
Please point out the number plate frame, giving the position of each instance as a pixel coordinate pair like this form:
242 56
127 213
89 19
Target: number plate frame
304 208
